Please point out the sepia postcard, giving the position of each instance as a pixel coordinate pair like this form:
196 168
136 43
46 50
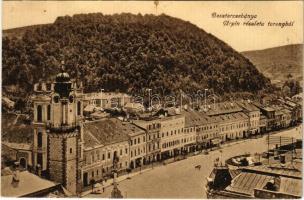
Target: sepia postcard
152 99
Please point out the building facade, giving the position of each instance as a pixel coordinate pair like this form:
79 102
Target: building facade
172 136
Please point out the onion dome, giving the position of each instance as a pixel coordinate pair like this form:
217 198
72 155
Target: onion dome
63 85
62 76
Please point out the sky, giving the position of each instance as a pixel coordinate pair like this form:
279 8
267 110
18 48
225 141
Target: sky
242 38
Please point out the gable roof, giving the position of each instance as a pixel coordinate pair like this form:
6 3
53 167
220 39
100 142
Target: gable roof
103 132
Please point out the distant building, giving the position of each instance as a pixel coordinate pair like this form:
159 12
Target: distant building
233 126
172 136
153 148
137 143
106 100
269 112
253 113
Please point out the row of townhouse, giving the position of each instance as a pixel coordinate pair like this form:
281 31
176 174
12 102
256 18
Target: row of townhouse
282 114
74 152
141 142
134 143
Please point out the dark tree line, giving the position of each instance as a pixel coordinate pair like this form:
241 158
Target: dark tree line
126 53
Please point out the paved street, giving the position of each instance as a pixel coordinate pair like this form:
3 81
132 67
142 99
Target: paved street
180 179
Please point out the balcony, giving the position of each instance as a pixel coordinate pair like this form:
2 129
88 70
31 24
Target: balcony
63 128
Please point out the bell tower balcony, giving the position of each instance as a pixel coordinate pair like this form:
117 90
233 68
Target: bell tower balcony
63 128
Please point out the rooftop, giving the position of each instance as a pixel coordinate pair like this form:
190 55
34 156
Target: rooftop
28 184
103 132
248 106
246 182
195 118
223 108
226 118
256 177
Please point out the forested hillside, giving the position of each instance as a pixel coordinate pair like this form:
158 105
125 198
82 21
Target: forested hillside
279 63
127 52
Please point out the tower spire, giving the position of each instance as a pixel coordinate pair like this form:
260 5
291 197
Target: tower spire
62 66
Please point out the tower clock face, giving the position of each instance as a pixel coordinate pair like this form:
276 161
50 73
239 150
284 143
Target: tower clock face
71 99
56 99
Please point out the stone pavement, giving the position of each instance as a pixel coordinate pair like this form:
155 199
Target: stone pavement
109 182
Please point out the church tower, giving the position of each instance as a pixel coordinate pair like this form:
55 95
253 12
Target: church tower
59 118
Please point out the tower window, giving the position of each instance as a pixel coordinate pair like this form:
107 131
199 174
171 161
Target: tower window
78 108
71 150
49 112
39 113
39 139
39 159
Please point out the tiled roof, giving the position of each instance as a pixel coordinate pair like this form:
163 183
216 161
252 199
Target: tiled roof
105 131
28 184
245 183
248 106
291 186
268 109
132 129
191 118
232 117
144 123
195 118
223 108
290 169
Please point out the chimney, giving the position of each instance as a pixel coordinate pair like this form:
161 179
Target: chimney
15 178
273 184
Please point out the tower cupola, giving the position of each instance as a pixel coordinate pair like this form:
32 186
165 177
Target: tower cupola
63 84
